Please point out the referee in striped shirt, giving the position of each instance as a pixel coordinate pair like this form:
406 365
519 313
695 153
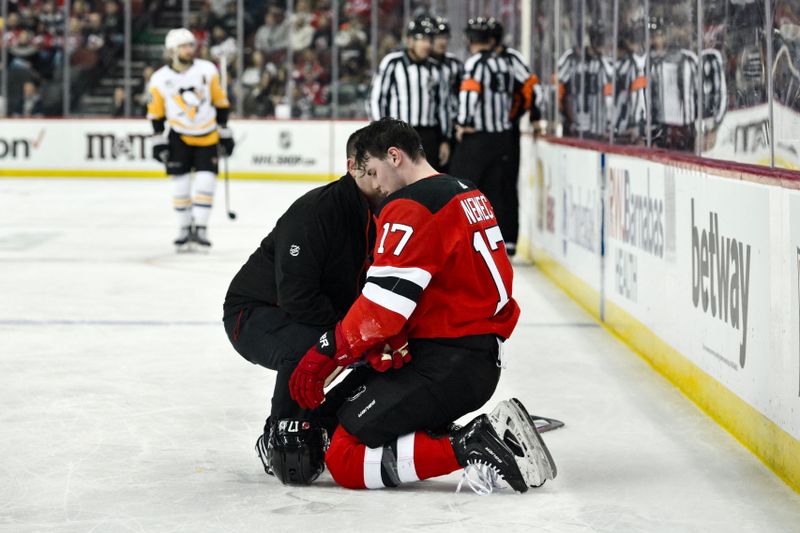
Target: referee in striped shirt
484 153
452 71
409 87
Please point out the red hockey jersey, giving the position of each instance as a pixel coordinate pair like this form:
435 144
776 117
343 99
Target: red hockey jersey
440 268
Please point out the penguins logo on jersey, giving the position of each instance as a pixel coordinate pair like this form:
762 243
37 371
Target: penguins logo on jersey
189 100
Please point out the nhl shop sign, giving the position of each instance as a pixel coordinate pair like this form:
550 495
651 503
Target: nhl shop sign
721 275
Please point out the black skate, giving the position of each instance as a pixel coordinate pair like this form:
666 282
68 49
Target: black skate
182 241
200 236
518 430
483 453
262 447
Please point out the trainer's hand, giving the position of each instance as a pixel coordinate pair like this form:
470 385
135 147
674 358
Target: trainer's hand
393 353
307 383
160 148
226 140
444 153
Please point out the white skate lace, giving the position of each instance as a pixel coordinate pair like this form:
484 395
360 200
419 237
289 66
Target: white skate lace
485 478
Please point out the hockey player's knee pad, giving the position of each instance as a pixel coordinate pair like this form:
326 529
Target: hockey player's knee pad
297 451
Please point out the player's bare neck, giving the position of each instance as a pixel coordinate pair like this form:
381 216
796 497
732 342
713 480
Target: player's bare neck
420 170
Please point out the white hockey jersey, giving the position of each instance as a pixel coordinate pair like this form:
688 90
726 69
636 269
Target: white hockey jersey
188 101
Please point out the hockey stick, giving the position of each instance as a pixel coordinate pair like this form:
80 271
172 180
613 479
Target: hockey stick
223 67
231 214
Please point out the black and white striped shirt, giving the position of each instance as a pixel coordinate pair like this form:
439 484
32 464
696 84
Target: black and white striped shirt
527 91
587 91
452 71
410 91
486 94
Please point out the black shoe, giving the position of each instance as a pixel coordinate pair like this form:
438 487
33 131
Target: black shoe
262 447
478 447
200 236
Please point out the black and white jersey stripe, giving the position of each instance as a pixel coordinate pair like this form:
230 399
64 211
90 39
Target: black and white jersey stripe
519 67
452 71
630 95
397 289
410 91
486 93
587 91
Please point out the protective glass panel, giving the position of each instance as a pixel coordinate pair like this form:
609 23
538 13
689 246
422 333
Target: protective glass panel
544 58
570 19
673 74
735 97
785 71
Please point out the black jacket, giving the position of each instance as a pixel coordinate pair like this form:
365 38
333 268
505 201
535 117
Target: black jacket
313 263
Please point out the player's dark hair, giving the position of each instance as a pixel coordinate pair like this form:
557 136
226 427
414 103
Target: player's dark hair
376 139
351 143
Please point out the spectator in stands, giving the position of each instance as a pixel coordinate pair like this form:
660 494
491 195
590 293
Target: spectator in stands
113 23
52 18
273 36
118 103
141 98
31 103
302 32
251 76
222 45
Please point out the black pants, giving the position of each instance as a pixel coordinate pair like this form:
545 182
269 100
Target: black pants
184 158
432 138
511 182
485 159
446 379
266 336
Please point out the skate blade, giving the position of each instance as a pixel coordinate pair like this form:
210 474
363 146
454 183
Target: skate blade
531 453
545 424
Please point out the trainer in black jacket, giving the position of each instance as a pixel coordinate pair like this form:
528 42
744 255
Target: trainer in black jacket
302 279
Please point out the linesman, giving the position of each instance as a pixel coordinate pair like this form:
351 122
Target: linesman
409 87
452 71
484 129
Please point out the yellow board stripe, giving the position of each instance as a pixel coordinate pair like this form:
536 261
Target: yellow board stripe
154 174
774 446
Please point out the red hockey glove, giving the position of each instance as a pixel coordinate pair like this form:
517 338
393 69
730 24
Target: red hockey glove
308 379
393 353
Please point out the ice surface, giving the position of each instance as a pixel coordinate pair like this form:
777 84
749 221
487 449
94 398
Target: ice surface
124 408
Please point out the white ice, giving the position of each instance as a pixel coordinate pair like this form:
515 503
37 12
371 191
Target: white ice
124 408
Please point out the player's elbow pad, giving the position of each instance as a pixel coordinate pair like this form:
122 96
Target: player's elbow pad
222 116
158 125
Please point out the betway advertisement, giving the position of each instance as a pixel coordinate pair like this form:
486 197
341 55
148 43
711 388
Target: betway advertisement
724 258
264 148
707 263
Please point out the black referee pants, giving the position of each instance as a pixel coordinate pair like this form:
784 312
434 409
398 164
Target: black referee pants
432 138
486 160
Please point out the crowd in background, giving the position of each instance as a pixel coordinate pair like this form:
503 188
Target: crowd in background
37 46
293 51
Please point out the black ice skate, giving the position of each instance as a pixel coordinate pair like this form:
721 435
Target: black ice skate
200 236
518 430
483 454
183 239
